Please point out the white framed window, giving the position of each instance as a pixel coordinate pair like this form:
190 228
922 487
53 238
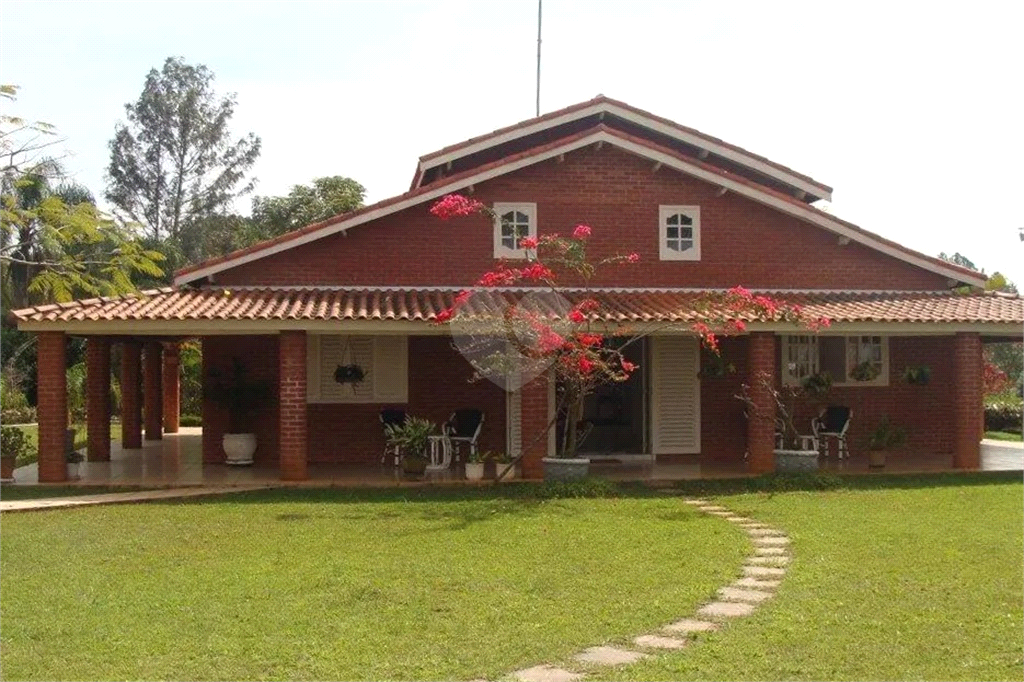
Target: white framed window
512 222
679 232
848 360
384 361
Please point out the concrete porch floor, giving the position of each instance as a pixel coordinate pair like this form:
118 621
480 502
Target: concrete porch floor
177 461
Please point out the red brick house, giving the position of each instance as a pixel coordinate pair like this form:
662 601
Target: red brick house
701 213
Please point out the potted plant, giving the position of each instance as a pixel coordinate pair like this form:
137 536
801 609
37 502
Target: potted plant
505 468
73 459
241 396
14 445
412 438
865 371
885 436
716 367
475 464
917 374
817 384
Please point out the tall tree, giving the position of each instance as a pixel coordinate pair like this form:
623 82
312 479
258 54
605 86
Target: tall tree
306 204
175 162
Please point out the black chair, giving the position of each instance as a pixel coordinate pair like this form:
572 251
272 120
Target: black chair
833 422
464 427
391 417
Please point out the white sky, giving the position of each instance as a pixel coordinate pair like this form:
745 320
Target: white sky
910 111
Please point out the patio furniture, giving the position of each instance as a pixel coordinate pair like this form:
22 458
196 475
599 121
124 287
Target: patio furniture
389 417
440 453
833 422
463 427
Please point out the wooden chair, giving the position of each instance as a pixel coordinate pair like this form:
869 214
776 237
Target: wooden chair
464 426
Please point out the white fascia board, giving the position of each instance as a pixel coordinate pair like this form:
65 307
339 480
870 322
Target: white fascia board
689 138
800 211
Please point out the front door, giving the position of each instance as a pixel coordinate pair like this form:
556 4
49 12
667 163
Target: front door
675 395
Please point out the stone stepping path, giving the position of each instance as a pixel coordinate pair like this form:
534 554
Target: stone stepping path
762 574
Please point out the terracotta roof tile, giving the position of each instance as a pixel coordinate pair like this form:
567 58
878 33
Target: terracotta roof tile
340 304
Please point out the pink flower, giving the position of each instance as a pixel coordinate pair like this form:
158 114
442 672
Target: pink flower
587 305
740 291
499 277
443 316
627 366
549 341
537 272
590 339
454 205
581 232
633 258
585 365
528 243
739 326
461 298
577 317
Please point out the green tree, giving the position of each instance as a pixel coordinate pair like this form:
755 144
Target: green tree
959 259
174 163
305 204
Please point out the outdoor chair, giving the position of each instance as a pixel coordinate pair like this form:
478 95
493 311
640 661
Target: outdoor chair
833 422
463 427
396 417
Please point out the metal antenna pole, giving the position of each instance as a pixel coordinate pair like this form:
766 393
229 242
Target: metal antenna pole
539 7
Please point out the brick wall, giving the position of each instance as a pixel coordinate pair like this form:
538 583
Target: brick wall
52 406
97 400
616 193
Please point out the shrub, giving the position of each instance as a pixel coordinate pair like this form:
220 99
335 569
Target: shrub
18 415
1004 415
190 420
14 441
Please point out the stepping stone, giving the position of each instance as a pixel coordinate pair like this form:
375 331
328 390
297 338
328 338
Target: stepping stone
545 673
770 542
723 514
689 625
609 655
763 572
769 551
768 560
762 532
726 609
753 524
698 503
749 596
739 519
756 584
658 642
712 508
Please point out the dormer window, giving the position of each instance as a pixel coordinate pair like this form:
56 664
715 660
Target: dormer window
512 223
679 232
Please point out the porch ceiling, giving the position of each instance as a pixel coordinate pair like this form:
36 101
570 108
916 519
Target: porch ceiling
247 309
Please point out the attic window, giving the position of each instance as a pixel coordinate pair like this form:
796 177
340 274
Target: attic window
679 232
512 223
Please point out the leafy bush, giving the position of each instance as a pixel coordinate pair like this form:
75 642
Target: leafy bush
588 487
190 420
14 441
1004 415
18 415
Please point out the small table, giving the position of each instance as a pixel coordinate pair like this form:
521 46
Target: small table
440 453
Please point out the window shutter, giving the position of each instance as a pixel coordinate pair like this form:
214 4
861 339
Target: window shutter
391 360
346 350
675 395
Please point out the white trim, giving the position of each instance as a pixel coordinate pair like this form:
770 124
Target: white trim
658 374
881 380
702 143
664 252
805 213
527 208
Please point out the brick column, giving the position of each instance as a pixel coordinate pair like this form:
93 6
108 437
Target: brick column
292 398
153 390
213 421
52 406
131 395
534 420
761 424
967 399
172 388
97 400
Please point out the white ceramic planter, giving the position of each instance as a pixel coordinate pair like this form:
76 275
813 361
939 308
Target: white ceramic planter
558 469
239 448
72 471
499 467
474 471
796 460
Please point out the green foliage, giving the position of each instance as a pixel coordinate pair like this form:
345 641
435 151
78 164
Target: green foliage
412 436
1004 415
14 441
190 420
817 384
1008 357
304 205
76 392
886 435
917 374
190 361
174 163
959 259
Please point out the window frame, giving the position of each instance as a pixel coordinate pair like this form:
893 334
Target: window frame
380 359
528 208
665 253
789 379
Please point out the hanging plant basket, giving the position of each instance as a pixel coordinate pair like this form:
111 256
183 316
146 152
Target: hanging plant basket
918 375
349 374
865 371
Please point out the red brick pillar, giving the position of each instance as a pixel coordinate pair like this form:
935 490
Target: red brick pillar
213 420
534 419
131 395
761 423
97 400
52 406
153 390
292 399
967 399
172 388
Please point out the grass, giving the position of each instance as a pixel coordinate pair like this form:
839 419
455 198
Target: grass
1004 435
332 584
908 581
81 439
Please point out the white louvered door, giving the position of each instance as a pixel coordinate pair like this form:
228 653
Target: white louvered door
514 415
675 395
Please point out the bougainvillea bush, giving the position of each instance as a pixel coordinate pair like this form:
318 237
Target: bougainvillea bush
544 315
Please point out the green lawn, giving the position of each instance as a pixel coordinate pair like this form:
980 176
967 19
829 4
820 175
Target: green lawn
32 432
1004 435
922 582
306 584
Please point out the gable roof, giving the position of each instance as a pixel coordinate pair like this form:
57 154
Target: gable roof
621 116
598 134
